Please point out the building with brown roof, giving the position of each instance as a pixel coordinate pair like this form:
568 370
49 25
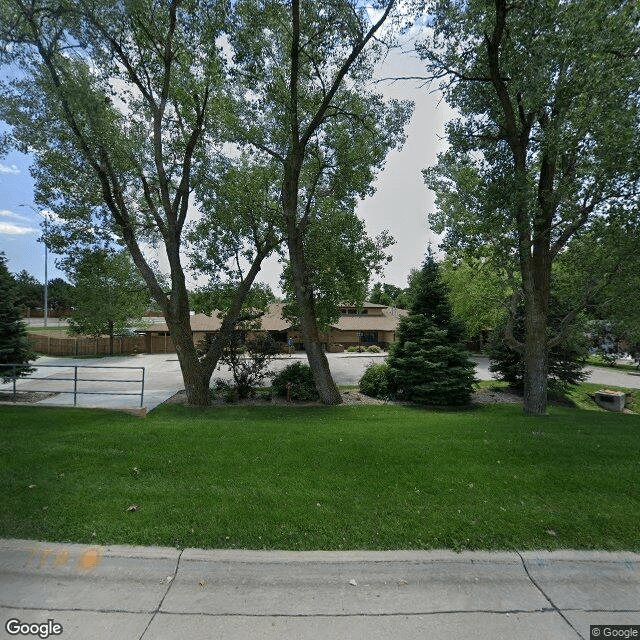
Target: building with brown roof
373 324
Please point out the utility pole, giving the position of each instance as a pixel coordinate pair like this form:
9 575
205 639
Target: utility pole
46 278
44 214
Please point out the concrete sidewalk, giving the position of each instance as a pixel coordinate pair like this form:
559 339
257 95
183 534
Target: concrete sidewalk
153 593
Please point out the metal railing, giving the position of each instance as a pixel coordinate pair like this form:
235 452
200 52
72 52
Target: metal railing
14 377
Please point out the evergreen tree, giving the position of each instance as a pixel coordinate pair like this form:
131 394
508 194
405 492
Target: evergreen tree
14 346
565 361
429 364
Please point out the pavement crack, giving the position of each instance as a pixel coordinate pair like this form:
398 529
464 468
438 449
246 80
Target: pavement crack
548 599
173 579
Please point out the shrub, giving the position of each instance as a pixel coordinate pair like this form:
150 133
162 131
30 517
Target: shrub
374 381
249 372
300 377
374 349
352 350
223 389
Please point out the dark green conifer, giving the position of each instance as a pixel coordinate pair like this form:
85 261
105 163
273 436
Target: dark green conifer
429 363
14 345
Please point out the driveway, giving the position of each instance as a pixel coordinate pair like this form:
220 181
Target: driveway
162 377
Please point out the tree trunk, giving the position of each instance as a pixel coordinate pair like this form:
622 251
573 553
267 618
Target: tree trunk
537 282
196 377
196 384
318 362
303 290
536 364
110 338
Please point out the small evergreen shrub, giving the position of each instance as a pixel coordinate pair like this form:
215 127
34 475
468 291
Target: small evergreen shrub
374 381
374 349
300 377
352 350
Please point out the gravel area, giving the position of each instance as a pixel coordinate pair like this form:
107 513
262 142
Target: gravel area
495 396
354 397
348 397
25 396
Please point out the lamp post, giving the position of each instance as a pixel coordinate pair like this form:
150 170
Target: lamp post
44 215
46 278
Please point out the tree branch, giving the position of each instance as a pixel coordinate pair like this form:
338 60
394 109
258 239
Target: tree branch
317 119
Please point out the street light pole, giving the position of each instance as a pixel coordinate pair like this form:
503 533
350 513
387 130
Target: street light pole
46 251
46 278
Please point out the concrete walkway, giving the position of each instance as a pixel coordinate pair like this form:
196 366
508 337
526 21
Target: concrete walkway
140 593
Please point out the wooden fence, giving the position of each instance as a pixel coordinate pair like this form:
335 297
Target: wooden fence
85 346
159 344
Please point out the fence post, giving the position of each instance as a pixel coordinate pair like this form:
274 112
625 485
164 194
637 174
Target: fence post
13 374
142 389
75 385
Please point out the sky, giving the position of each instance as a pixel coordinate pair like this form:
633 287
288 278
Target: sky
401 203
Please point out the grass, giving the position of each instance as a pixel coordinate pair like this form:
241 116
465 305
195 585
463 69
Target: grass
579 395
372 477
599 361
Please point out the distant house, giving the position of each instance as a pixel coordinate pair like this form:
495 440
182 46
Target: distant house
373 324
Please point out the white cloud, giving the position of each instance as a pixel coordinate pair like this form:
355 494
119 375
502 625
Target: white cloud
6 170
11 229
5 213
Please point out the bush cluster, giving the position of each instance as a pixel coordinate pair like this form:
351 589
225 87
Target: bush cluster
374 382
299 376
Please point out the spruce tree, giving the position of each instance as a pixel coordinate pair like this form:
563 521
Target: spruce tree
429 363
14 345
565 362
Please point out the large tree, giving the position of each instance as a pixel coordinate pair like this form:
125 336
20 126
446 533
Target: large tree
302 70
546 142
60 294
123 104
29 291
109 297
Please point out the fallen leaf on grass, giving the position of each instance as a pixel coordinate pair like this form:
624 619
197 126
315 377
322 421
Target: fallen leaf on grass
132 507
551 532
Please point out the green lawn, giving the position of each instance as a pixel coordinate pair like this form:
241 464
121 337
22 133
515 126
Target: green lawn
373 477
599 361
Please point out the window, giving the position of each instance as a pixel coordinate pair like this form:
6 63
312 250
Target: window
368 337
